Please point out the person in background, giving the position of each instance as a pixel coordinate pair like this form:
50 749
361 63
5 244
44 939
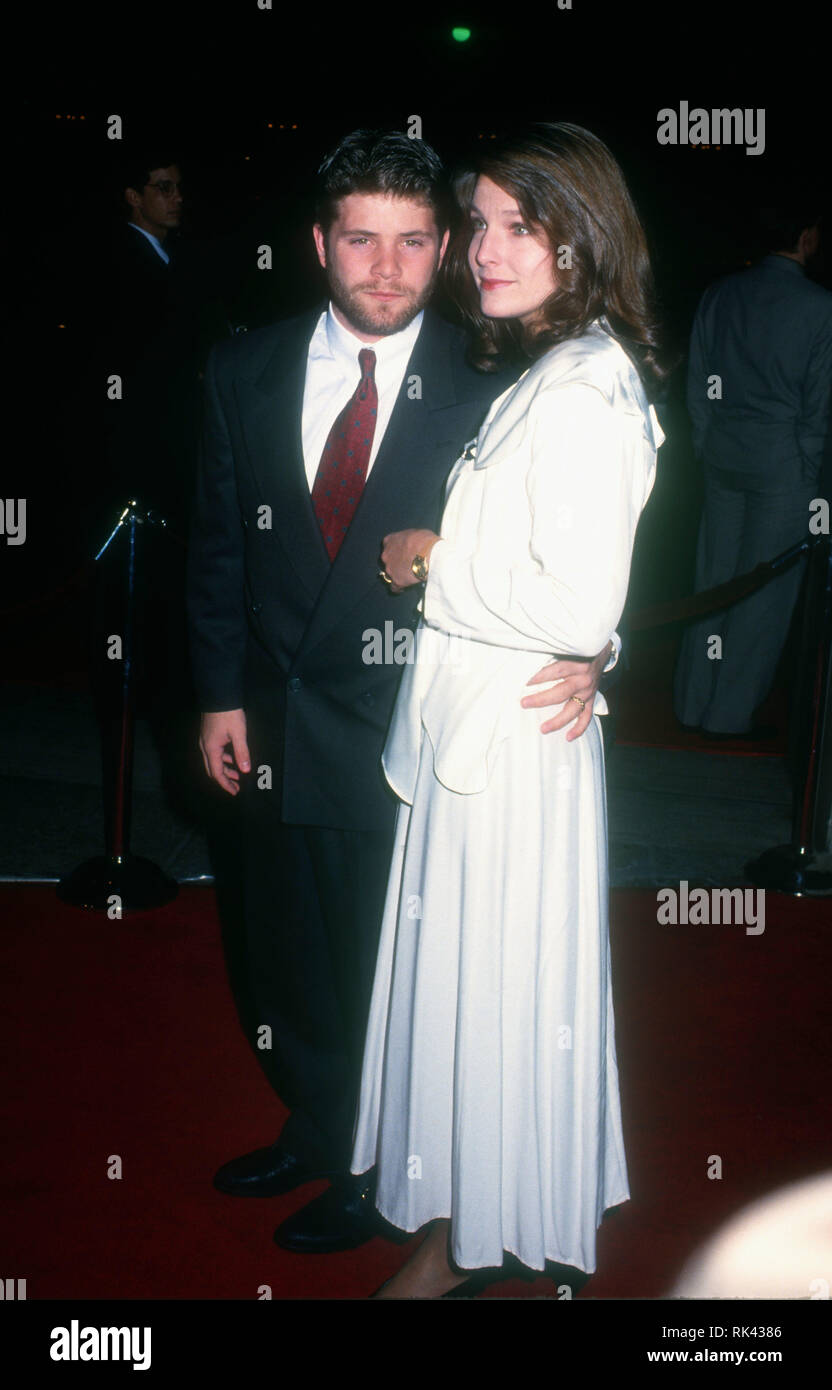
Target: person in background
758 392
155 323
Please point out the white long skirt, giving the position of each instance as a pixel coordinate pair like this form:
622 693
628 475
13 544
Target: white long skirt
489 1090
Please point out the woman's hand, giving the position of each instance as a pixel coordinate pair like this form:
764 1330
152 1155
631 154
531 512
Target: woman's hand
576 684
398 552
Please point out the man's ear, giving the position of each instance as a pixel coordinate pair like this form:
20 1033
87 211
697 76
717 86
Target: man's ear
132 197
443 248
320 243
812 235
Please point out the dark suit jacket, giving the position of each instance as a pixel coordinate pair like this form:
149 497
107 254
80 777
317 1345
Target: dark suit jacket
155 330
275 628
149 312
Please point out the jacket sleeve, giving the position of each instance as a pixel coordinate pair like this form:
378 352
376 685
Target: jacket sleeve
589 477
699 369
817 402
216 593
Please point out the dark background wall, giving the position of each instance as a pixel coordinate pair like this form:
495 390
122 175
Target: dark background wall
252 99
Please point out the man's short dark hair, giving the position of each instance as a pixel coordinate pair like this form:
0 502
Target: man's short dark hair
136 166
780 223
381 161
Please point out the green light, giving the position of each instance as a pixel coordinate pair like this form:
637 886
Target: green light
461 35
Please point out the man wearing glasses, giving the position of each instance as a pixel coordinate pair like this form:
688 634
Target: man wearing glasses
156 207
161 317
155 327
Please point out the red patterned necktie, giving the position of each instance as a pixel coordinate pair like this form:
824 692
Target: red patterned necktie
342 470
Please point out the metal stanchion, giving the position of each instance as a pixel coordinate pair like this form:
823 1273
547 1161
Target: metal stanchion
794 868
119 881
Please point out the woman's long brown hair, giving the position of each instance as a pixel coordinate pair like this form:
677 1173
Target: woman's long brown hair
567 183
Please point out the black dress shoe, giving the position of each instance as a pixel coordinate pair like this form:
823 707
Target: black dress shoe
267 1172
342 1218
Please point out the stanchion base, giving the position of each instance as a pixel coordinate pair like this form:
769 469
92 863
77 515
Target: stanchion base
138 883
789 870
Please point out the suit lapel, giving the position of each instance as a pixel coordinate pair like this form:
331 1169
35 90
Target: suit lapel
271 411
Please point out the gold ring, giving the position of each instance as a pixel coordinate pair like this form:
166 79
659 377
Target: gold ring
382 574
581 702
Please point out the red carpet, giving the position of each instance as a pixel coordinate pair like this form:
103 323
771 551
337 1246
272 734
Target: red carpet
122 1039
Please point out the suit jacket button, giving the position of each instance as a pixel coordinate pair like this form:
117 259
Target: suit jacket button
295 683
255 607
368 698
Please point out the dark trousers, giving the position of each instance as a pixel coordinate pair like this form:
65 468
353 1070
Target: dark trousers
312 901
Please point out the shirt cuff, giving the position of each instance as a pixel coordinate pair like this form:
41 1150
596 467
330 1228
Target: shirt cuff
614 654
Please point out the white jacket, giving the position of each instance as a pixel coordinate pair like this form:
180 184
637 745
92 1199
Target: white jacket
534 558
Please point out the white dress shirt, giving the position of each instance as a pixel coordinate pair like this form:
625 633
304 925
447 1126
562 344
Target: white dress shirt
332 374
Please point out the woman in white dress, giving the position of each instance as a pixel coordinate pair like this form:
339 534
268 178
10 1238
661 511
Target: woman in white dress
489 1098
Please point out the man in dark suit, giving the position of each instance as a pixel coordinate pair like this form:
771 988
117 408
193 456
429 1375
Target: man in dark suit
322 435
759 389
157 320
160 319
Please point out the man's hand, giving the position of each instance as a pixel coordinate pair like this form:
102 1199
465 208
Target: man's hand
398 552
216 733
578 678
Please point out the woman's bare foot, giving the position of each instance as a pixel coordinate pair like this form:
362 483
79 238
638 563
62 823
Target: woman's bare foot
428 1273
